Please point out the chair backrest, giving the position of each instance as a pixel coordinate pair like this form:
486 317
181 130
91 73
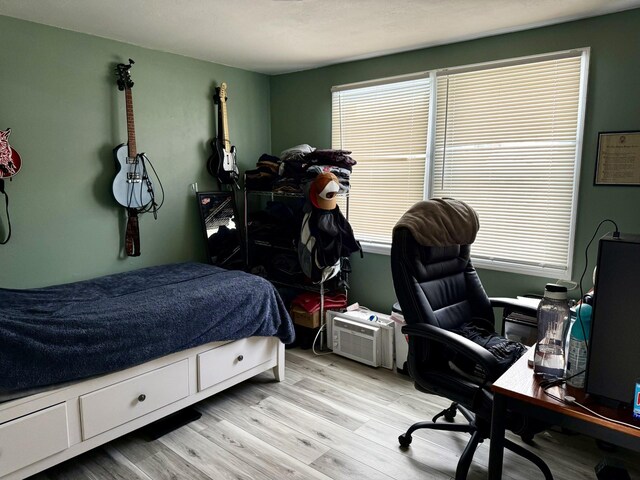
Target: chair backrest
437 284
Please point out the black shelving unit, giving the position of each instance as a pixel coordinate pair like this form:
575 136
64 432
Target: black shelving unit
252 244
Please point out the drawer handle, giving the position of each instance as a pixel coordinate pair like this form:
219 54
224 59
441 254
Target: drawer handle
240 358
142 397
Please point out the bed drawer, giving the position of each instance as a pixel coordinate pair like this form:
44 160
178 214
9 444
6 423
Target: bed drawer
231 359
116 404
33 437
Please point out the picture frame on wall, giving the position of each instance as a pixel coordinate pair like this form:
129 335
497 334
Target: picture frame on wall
618 160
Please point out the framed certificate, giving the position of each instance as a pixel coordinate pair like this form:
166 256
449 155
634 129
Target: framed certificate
618 161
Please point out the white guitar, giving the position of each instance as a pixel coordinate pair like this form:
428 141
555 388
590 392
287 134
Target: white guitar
131 187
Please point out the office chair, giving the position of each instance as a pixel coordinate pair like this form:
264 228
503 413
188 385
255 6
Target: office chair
440 293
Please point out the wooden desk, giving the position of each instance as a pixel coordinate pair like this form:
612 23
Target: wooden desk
519 390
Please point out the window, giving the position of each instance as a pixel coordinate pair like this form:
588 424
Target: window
385 126
504 137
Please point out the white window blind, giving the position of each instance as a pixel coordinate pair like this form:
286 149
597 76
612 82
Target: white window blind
385 127
507 143
505 137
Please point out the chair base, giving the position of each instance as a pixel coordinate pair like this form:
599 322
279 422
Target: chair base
478 431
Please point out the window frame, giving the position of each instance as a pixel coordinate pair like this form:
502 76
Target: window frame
438 74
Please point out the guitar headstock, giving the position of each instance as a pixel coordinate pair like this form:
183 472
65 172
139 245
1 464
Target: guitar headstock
221 94
124 75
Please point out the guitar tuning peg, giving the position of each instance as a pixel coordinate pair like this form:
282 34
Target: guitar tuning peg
131 62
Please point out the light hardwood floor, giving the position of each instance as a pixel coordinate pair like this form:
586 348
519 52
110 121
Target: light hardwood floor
331 418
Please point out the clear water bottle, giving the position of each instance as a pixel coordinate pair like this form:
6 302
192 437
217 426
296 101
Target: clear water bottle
553 324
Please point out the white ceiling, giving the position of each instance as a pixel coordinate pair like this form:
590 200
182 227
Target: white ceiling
277 36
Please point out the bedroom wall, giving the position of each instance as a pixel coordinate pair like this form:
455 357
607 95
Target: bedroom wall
301 113
58 94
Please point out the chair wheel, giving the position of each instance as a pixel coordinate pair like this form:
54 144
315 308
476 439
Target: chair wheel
448 417
405 440
527 438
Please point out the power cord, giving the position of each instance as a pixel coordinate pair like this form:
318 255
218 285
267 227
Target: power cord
313 345
569 400
572 401
554 382
152 206
616 234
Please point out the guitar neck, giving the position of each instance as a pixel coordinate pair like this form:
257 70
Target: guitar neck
131 130
223 125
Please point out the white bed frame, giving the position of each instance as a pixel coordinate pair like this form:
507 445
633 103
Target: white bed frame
42 430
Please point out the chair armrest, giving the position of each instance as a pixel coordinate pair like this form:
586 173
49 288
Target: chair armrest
457 343
521 305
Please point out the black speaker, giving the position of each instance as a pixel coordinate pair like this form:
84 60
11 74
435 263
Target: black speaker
614 356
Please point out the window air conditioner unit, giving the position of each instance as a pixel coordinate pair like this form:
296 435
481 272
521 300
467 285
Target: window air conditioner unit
356 341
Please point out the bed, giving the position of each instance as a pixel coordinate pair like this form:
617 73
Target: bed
86 362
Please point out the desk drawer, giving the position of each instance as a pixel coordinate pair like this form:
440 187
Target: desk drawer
231 359
33 437
117 404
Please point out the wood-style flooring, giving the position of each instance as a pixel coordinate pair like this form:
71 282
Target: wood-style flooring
331 418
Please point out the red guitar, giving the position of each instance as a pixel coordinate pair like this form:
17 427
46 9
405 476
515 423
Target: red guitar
10 164
10 161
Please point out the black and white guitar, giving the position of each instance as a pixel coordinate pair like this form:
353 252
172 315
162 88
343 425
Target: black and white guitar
131 186
222 162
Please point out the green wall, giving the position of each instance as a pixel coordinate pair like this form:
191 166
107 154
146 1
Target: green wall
58 95
301 113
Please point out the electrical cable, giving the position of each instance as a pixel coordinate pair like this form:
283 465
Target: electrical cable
569 400
553 382
618 422
616 234
153 205
313 345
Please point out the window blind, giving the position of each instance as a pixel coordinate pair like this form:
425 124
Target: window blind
507 142
385 128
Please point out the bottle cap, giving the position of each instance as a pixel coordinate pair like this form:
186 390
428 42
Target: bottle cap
554 291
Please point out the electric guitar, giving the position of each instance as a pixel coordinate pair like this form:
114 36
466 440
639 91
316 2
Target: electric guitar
222 163
10 161
131 186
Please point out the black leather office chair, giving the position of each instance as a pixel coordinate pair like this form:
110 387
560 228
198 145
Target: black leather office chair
439 292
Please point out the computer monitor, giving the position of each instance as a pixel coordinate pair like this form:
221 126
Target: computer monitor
614 347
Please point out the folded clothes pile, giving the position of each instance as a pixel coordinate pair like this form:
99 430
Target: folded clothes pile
310 301
297 166
262 177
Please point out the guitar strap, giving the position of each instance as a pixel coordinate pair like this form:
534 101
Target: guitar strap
6 200
132 236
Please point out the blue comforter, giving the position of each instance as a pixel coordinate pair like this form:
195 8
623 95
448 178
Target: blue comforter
68 332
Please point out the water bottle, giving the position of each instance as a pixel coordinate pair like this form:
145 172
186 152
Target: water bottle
553 324
577 361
